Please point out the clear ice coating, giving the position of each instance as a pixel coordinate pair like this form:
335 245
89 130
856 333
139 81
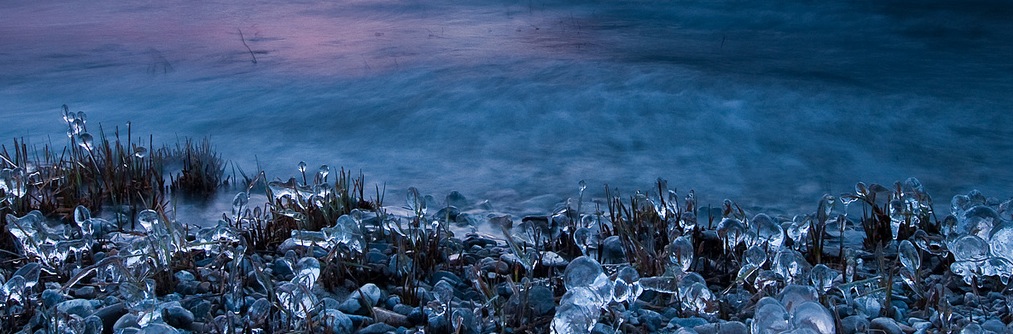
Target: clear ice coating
217 239
626 286
732 232
588 290
909 255
309 271
969 248
296 300
680 254
790 265
1000 241
770 317
768 232
823 277
699 299
813 316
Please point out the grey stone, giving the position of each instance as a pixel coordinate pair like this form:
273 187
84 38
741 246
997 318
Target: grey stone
126 321
184 276
854 324
333 321
732 327
51 297
540 300
177 316
653 321
110 314
377 328
158 329
885 325
994 325
690 322
84 292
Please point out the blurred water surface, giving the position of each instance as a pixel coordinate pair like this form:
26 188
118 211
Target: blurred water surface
768 103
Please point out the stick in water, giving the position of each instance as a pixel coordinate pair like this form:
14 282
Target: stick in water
246 45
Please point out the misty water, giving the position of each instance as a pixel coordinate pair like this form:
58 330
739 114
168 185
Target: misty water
768 103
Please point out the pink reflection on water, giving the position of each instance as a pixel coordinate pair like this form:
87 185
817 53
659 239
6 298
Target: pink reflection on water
346 38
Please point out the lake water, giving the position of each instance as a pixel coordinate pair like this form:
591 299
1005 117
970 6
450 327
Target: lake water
768 103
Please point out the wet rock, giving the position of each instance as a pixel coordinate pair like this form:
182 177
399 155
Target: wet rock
51 297
994 325
366 296
177 316
885 325
854 324
540 300
690 322
157 329
417 317
84 292
126 321
110 314
732 327
377 328
653 321
333 321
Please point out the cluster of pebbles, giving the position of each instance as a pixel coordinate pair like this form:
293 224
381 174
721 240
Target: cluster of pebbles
150 274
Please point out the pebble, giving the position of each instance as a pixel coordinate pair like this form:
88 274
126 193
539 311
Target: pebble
51 297
540 300
854 324
110 314
335 322
177 316
885 325
994 325
690 322
84 292
652 320
126 321
377 328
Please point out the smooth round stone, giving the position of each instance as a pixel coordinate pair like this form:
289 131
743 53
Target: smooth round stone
377 258
417 316
854 324
653 321
885 325
690 322
177 316
454 280
281 269
110 314
334 321
128 320
732 327
84 292
184 276
158 329
377 328
393 301
994 325
328 302
51 297
540 300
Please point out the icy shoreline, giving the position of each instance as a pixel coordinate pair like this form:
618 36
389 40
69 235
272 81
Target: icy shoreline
316 253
